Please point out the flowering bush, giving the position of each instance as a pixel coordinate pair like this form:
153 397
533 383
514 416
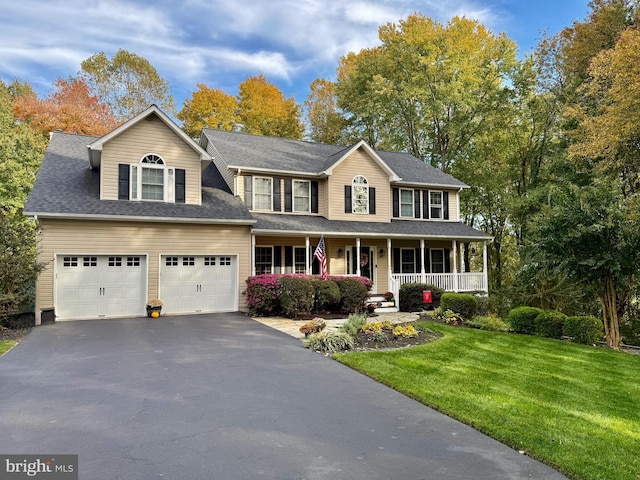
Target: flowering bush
263 294
407 331
314 326
388 296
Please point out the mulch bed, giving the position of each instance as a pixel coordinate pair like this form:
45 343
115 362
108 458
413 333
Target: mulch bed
16 334
364 341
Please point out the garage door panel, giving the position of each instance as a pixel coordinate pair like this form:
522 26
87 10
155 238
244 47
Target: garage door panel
100 286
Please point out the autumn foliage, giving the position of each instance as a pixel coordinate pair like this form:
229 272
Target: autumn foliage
71 107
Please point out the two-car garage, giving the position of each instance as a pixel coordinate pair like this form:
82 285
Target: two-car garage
104 286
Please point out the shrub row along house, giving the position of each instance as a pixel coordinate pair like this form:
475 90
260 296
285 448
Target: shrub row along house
146 212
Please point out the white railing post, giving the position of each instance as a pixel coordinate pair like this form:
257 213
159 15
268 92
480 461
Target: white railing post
422 270
456 284
484 267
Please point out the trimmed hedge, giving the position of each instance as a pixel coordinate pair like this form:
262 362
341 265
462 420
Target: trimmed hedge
584 329
296 296
263 295
411 297
523 319
549 323
464 304
353 295
327 294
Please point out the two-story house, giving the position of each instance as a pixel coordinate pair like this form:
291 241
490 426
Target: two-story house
146 212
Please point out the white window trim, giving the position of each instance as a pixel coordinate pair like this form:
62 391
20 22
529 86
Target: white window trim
270 247
293 195
304 250
441 217
412 215
364 185
168 190
431 250
270 193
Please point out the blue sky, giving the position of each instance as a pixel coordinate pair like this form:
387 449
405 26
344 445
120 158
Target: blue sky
221 43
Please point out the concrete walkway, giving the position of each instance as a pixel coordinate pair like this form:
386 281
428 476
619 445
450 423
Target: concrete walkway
292 327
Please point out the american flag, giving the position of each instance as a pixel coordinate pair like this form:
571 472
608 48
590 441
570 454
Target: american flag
321 255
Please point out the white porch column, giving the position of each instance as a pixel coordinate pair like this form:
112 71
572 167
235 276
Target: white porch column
456 284
461 259
307 256
389 264
423 272
357 259
253 255
485 266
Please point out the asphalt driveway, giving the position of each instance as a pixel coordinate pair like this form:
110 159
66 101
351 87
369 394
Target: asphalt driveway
224 397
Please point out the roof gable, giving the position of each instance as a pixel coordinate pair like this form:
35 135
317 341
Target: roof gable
336 159
95 148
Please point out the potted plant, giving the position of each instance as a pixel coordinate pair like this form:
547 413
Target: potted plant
388 296
154 305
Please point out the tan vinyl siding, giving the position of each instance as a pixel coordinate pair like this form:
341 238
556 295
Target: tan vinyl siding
453 206
151 239
323 198
239 181
149 136
359 163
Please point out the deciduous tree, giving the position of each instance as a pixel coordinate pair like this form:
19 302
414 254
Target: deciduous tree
208 108
70 107
127 83
263 110
326 122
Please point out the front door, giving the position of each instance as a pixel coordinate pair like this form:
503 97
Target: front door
367 263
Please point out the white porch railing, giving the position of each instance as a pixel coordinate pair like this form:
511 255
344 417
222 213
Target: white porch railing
465 282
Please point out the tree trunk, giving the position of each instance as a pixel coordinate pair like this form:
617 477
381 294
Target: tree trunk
610 313
467 257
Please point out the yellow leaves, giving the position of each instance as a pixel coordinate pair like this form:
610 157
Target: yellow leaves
208 108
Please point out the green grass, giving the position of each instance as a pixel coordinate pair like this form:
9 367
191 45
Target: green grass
6 345
573 407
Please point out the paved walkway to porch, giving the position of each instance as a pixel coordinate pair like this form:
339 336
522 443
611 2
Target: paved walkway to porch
292 327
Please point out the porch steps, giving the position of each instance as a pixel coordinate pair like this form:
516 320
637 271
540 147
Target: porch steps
382 305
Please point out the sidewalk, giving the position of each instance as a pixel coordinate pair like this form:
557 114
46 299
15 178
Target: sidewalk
292 327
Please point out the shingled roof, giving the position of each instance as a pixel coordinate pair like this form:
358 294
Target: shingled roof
258 153
66 187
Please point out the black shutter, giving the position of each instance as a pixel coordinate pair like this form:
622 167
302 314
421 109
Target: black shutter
447 260
277 259
417 261
276 194
445 205
396 260
123 181
180 185
248 191
416 203
288 197
396 202
372 200
347 199
288 258
315 263
314 196
425 204
427 260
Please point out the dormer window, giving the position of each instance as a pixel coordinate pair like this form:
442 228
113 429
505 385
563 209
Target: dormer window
360 195
151 180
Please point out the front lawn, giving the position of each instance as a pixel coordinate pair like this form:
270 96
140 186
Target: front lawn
573 407
5 346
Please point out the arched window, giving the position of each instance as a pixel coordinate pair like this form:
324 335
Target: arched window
360 195
150 179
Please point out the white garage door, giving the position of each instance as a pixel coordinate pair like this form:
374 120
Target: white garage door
97 286
198 283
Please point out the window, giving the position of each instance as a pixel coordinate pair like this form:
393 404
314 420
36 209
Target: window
133 261
188 261
209 261
406 203
408 260
115 261
90 261
151 180
435 204
264 260
437 260
262 193
360 195
301 195
300 260
70 261
225 260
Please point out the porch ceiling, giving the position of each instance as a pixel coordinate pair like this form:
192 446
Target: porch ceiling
300 225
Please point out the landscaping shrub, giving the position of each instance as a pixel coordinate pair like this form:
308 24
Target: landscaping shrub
448 316
464 304
411 297
549 324
484 306
314 326
329 341
354 324
584 329
326 293
406 331
353 295
523 319
494 324
296 296
376 327
263 295
18 321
